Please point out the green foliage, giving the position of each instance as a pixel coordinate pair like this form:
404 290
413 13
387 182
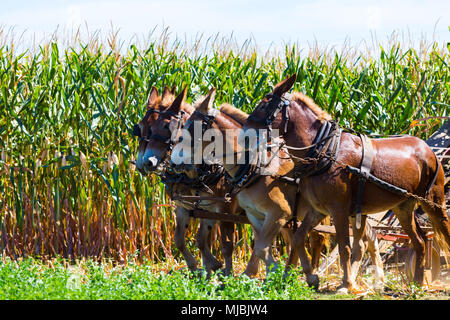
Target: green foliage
31 279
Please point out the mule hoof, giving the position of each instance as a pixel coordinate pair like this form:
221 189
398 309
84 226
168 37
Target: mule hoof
216 265
245 275
250 273
225 272
342 290
378 287
313 281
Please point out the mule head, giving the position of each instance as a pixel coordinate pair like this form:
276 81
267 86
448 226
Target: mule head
155 105
268 108
190 139
212 133
164 132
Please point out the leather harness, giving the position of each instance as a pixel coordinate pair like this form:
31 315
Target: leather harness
368 154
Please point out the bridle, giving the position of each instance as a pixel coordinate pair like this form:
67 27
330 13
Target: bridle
247 173
170 140
275 105
207 120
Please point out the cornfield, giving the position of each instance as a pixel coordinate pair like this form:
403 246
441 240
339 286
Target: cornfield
67 183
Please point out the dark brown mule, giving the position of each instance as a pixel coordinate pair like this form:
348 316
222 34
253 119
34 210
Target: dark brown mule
155 157
155 105
405 162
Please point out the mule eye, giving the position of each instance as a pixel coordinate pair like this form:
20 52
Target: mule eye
137 131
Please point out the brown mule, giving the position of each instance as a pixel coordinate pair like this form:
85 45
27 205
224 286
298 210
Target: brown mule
405 162
156 106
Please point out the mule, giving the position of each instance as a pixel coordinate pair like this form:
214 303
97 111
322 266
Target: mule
277 116
268 200
405 162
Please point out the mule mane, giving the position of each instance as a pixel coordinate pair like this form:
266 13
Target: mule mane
235 113
307 101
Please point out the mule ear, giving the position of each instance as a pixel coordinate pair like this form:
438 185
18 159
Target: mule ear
167 96
173 90
152 97
176 104
166 91
208 102
285 85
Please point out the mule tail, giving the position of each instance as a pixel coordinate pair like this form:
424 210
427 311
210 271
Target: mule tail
438 213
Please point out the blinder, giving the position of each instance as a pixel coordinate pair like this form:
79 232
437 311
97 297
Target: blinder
207 120
273 107
176 123
137 131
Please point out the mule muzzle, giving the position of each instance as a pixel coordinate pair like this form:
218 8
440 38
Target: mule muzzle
151 164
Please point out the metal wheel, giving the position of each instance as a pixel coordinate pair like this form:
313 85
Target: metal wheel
411 262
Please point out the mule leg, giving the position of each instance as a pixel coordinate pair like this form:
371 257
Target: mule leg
405 215
292 261
341 223
263 245
359 247
375 257
317 241
287 234
311 220
182 223
253 264
226 237
209 261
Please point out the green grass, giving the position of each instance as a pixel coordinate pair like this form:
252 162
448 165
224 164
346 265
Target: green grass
32 279
56 279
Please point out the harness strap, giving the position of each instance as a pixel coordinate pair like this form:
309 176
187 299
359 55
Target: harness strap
326 142
366 164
